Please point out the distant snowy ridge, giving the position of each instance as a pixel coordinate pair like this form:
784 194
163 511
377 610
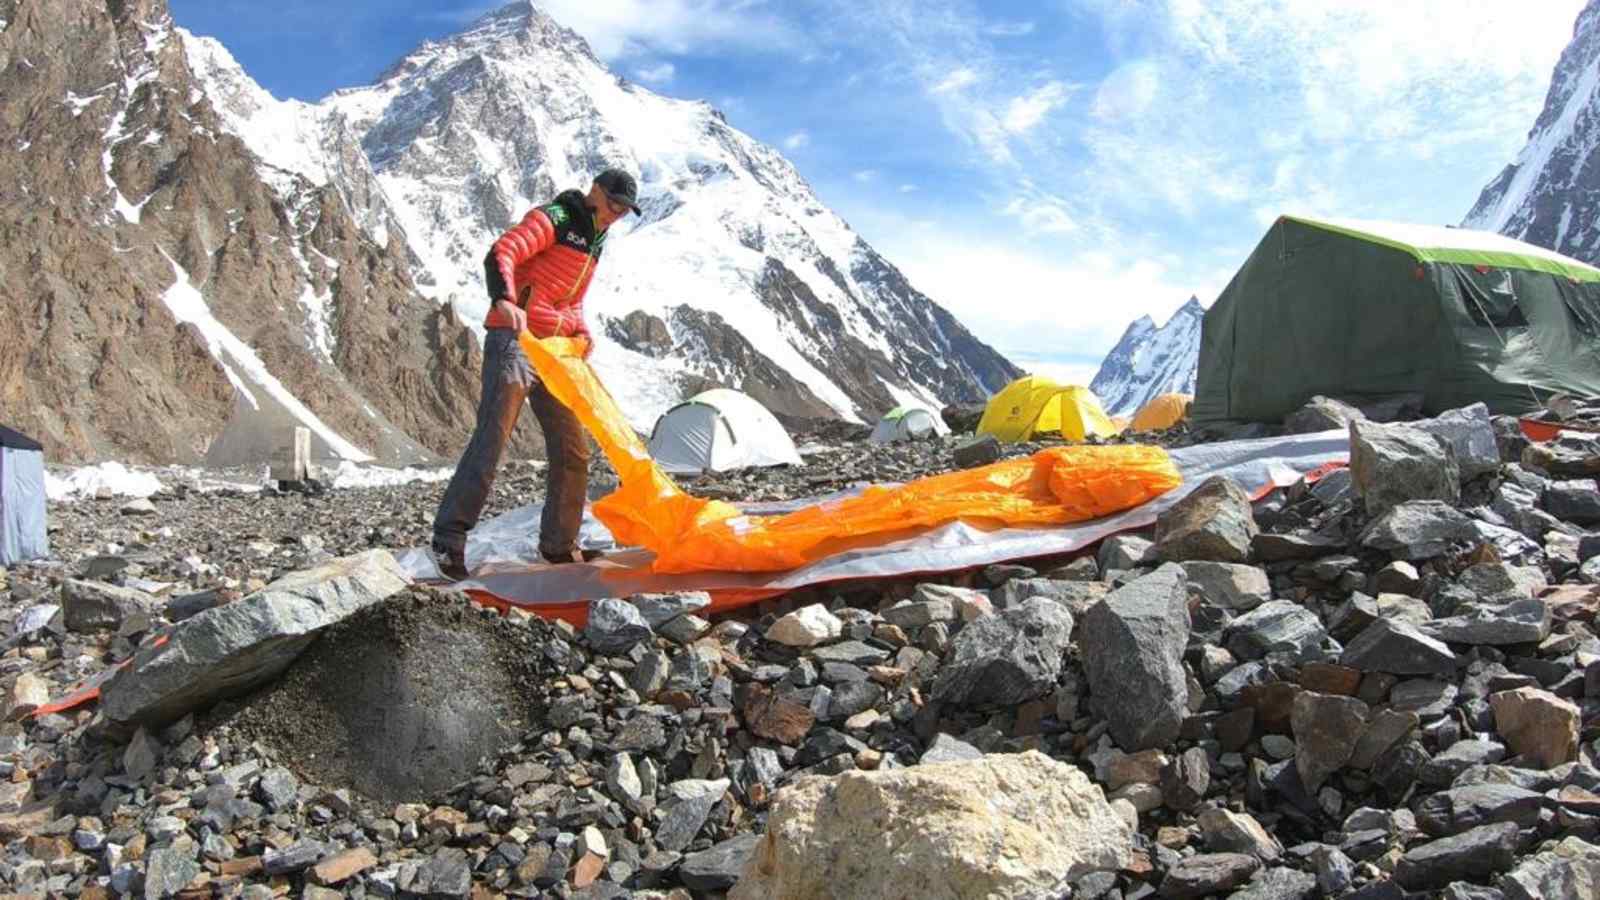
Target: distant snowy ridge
1550 195
1150 361
736 274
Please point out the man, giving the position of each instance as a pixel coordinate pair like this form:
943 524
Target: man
537 274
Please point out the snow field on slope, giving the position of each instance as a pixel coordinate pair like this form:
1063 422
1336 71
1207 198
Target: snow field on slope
242 365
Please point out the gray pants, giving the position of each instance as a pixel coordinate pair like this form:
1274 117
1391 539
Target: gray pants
508 379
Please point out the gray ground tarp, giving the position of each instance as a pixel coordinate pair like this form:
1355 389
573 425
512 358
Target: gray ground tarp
504 550
23 532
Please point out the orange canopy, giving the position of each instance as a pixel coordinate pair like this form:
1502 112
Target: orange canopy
690 534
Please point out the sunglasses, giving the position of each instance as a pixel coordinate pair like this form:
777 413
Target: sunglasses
617 209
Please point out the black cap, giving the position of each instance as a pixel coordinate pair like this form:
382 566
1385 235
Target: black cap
620 187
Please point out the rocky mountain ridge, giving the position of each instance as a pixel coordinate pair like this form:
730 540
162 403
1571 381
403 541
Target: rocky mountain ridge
268 266
1150 361
1550 195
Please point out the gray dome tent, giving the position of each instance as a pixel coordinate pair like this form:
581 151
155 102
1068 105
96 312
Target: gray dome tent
23 535
908 423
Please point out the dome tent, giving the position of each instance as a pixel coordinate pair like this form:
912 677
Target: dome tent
718 431
23 532
1163 411
1036 405
907 423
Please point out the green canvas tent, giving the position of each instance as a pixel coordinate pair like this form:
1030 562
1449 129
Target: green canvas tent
1363 310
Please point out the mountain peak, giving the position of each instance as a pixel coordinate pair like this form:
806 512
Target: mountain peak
1149 361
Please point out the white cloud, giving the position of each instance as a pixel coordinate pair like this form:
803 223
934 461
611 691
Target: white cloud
865 175
908 188
797 141
1024 112
619 28
658 74
955 81
1009 29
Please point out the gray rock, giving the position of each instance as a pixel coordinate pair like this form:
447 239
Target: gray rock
1522 622
448 873
1335 871
1326 729
1574 501
682 823
1419 529
1573 454
94 606
1281 625
684 629
912 615
1205 874
1427 698
1075 596
615 626
659 609
168 871
1442 770
1228 585
277 789
718 868
234 648
1279 883
854 652
141 756
1385 729
1470 434
979 451
948 749
1270 548
293 858
1134 642
1476 854
1398 649
1126 551
1231 832
1392 464
650 674
1322 414
622 782
1571 869
1214 522
1008 658
1186 779
1462 808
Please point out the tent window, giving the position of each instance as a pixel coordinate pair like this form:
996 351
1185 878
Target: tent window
1489 297
1583 301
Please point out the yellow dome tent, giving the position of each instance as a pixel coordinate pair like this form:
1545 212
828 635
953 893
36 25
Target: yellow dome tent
1036 405
1163 411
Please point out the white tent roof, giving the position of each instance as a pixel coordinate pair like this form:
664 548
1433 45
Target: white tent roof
906 423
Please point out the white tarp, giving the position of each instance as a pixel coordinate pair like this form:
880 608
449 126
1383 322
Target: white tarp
512 571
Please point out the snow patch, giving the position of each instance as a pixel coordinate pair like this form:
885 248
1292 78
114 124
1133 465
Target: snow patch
351 475
242 365
108 478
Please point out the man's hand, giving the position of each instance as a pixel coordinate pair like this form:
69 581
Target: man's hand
512 313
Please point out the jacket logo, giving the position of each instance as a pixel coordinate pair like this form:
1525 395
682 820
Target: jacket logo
578 240
556 212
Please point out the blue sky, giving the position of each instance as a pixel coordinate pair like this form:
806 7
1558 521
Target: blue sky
1048 170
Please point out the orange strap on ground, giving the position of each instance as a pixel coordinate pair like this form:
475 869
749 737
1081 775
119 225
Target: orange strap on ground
689 534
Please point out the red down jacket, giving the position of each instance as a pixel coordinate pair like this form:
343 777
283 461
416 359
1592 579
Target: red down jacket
544 264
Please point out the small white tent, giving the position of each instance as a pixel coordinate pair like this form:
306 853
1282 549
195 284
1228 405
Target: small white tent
908 423
23 533
717 431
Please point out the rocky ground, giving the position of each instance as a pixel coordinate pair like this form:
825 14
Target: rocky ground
1383 685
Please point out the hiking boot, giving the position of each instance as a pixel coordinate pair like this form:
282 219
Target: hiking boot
452 563
571 556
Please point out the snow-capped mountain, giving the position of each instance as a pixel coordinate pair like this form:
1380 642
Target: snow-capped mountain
735 274
1151 361
1550 196
193 267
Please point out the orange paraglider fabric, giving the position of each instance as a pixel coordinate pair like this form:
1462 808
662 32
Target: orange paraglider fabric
690 534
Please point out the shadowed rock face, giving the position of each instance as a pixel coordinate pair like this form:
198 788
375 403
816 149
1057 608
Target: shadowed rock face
117 173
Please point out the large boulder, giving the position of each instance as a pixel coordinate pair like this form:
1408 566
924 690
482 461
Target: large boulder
96 606
1005 826
1214 522
1322 414
1420 529
1133 643
232 649
1008 658
1392 464
1470 434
